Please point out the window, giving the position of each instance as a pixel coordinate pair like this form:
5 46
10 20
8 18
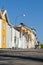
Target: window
15 39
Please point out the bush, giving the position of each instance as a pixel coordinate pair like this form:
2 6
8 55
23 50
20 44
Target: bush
41 45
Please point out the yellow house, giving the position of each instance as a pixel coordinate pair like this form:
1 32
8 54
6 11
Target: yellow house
24 30
31 38
3 28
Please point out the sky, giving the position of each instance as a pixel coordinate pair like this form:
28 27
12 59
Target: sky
33 10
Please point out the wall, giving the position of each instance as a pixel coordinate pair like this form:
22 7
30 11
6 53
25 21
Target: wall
13 37
33 40
22 42
0 33
4 25
9 37
17 38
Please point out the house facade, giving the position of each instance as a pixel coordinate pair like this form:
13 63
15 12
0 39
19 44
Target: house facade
3 28
29 35
15 37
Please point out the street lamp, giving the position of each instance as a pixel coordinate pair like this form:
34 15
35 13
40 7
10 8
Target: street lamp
15 27
19 16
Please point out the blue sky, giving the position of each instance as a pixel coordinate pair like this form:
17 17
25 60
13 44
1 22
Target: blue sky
33 10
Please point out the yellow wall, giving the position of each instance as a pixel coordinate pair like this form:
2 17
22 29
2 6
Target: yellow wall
3 33
23 28
29 32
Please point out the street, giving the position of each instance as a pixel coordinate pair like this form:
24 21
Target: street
21 57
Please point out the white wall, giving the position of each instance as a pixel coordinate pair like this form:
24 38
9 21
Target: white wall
17 33
9 37
11 32
13 37
0 33
19 43
22 42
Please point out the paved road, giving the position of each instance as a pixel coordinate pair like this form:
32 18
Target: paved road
21 57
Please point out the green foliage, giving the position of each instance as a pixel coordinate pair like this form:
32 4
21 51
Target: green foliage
41 45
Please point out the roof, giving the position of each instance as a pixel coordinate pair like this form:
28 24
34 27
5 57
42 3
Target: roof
29 28
4 13
1 12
